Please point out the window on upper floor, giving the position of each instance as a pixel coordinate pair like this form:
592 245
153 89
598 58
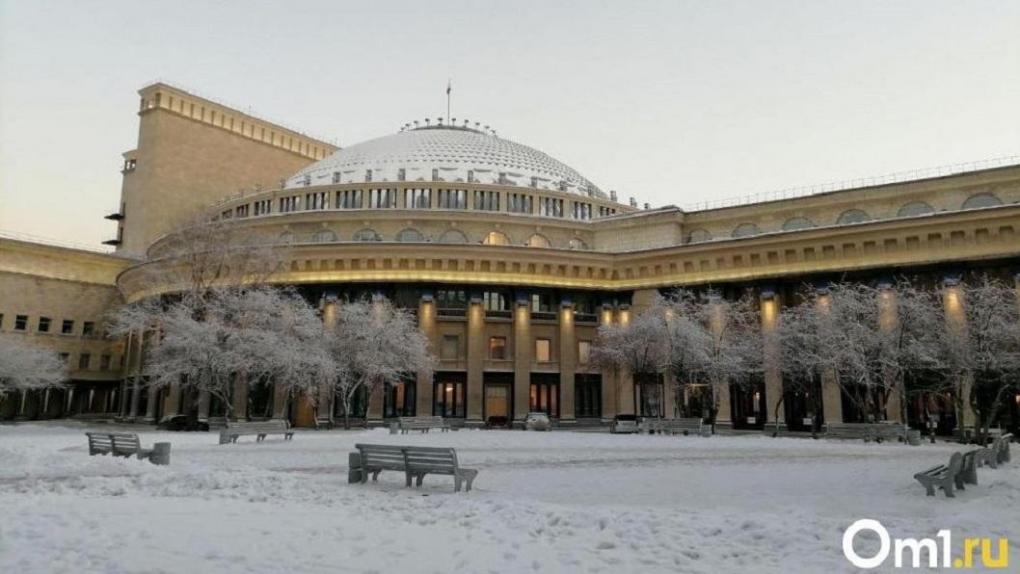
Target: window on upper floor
452 199
319 200
67 327
543 350
104 362
539 240
496 301
497 348
417 198
486 200
382 198
88 329
542 303
83 360
348 199
20 322
450 348
550 207
451 299
367 235
44 325
583 352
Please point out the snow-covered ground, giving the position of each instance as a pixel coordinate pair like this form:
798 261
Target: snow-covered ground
543 502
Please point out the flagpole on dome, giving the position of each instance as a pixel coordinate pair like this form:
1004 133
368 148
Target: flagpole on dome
449 86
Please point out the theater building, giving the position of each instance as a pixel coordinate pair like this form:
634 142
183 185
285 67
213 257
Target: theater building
509 259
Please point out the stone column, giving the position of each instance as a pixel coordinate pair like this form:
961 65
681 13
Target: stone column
172 402
150 405
669 395
888 317
956 319
721 389
427 324
522 359
239 400
609 386
280 402
476 351
773 375
832 396
204 400
625 379
330 316
136 379
567 362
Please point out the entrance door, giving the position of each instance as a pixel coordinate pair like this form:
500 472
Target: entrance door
497 401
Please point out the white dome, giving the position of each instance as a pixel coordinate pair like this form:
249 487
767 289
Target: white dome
449 153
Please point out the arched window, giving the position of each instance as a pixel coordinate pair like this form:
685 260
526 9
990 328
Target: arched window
410 236
746 230
367 235
286 238
853 216
324 236
538 240
979 200
496 238
578 244
795 223
453 236
915 208
699 236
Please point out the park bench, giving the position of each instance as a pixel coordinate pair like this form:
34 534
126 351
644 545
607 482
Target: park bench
968 470
684 426
943 476
415 461
1002 452
117 444
877 432
423 424
259 429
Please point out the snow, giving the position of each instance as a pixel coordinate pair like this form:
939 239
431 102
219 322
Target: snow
543 502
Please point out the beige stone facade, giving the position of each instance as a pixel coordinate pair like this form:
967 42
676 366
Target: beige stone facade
529 287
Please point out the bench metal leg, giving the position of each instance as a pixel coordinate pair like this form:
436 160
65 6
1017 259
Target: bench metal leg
375 476
408 476
421 478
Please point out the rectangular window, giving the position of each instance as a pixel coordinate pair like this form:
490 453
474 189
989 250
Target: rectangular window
497 348
348 199
417 198
382 198
583 352
104 362
88 329
263 207
64 357
542 303
44 324
241 210
450 351
452 199
451 299
83 360
495 301
543 350
20 322
582 210
486 200
288 204
550 207
518 203
318 200
67 327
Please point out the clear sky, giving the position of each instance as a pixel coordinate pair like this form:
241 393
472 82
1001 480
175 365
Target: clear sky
673 102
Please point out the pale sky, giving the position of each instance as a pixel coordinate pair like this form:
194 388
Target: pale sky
672 102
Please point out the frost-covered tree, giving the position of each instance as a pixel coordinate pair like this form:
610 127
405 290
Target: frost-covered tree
639 347
983 346
25 367
374 343
258 334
